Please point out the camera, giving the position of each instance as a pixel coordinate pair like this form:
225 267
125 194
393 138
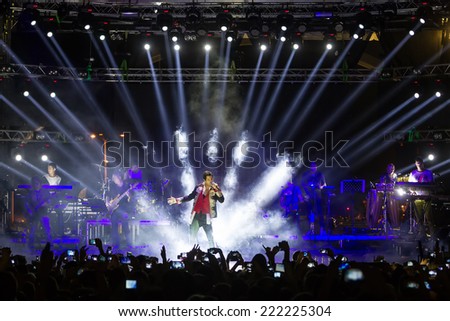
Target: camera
277 274
323 251
182 255
70 252
353 275
177 265
432 273
311 265
279 267
148 265
130 284
125 260
410 263
109 250
91 241
412 285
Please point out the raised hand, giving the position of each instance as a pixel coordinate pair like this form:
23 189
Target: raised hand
171 200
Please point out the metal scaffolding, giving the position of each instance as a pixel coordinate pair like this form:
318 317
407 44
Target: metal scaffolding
217 75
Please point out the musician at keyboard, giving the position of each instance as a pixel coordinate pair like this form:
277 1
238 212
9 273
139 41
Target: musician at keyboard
51 178
422 207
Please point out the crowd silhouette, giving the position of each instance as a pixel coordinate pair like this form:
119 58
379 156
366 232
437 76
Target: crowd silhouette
274 275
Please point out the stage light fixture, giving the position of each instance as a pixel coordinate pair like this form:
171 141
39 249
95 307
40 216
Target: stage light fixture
164 20
295 46
364 20
411 33
224 20
285 20
355 36
18 157
329 46
425 11
255 22
430 157
49 34
207 47
147 47
87 27
193 17
416 95
53 94
175 34
263 47
339 26
176 47
102 37
26 93
438 94
202 31
282 38
44 158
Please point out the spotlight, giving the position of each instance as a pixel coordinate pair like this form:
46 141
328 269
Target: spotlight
175 34
422 21
285 20
52 94
18 157
207 47
224 20
430 157
361 26
26 93
416 95
93 136
33 23
295 46
355 36
49 34
411 33
263 47
329 46
176 47
230 39
44 158
147 47
164 20
102 37
438 94
87 27
282 38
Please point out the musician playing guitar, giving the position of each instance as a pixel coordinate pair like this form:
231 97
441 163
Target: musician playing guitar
120 206
37 202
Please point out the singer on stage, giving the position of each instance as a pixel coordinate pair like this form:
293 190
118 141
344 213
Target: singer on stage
205 196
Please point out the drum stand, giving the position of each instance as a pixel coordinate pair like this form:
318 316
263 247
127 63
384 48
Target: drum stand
385 213
411 219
